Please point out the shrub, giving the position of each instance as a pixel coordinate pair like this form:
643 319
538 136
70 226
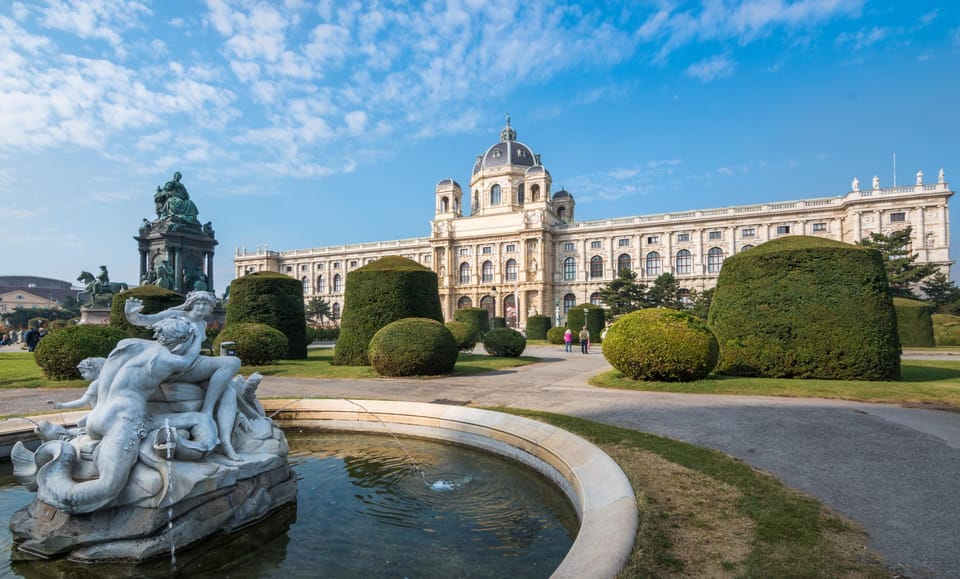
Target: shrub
274 299
595 321
946 329
661 344
413 347
389 289
255 343
326 334
537 327
310 334
59 352
478 317
504 342
155 299
806 307
555 335
914 324
464 333
498 322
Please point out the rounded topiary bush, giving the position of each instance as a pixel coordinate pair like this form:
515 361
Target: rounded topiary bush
537 327
59 352
384 291
413 347
465 334
914 323
555 335
478 317
254 343
806 307
661 344
504 342
266 297
946 329
155 299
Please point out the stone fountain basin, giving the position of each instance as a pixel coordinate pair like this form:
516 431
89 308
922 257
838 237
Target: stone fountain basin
593 482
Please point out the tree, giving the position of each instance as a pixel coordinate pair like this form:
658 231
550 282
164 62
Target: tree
318 308
624 294
700 302
902 270
665 292
941 290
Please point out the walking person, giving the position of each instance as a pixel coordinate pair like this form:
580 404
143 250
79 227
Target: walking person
568 341
31 337
584 341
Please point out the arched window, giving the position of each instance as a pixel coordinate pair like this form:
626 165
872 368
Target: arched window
337 284
444 204
535 193
511 270
562 213
464 272
684 295
486 272
306 285
624 263
714 260
520 194
684 261
746 247
595 299
489 304
321 287
596 267
475 203
569 269
335 311
569 302
510 310
653 264
464 302
495 195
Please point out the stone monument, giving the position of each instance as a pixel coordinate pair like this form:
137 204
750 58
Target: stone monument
176 250
176 448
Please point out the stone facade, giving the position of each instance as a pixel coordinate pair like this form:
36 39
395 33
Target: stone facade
520 241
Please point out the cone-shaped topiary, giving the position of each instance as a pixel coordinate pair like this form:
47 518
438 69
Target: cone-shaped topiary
504 342
661 344
537 327
155 299
413 347
914 323
274 299
465 334
389 289
59 352
806 307
253 343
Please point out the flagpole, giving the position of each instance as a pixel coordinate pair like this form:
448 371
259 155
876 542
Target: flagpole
894 169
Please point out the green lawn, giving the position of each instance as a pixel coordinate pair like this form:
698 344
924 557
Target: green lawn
923 382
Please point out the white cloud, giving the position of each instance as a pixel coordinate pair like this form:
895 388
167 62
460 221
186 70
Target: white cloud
94 19
711 69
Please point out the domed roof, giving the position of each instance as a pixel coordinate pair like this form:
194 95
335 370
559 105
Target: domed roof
562 194
508 151
447 181
537 170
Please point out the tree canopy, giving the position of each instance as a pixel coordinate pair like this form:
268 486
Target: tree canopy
903 271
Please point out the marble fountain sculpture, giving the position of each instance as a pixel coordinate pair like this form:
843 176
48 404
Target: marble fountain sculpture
176 448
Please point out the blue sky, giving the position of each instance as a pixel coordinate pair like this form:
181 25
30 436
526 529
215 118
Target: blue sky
301 124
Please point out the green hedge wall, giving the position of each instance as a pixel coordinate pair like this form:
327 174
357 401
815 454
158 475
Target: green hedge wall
537 327
914 323
806 307
59 352
274 299
476 317
465 334
946 329
155 299
595 321
384 291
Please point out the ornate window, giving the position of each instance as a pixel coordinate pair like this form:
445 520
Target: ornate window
321 287
595 299
511 270
520 194
684 295
746 247
596 244
684 261
495 195
569 246
464 272
748 232
569 269
714 260
337 284
444 204
562 213
489 304
306 285
510 310
653 264
681 237
819 226
624 263
486 272
569 302
715 235
596 267
535 193
335 312
464 302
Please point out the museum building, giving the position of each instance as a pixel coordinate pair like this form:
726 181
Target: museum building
519 249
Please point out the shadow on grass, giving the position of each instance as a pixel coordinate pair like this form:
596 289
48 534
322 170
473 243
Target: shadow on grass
917 371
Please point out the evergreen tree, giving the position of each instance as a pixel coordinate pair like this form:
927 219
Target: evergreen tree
942 291
665 292
902 270
700 302
318 309
623 294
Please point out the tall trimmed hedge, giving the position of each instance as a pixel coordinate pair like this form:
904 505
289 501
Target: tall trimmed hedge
537 327
477 317
946 329
274 299
806 307
389 289
155 299
594 322
914 323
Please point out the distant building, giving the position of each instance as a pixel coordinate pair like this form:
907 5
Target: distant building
23 291
521 243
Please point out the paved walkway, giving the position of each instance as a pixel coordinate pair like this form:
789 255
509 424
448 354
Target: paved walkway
893 469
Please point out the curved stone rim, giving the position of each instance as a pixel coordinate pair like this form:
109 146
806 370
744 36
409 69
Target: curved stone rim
593 482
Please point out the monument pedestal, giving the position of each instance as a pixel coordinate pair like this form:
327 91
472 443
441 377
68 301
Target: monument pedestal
95 315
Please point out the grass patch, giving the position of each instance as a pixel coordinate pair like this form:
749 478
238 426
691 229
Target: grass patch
18 369
923 383
704 514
